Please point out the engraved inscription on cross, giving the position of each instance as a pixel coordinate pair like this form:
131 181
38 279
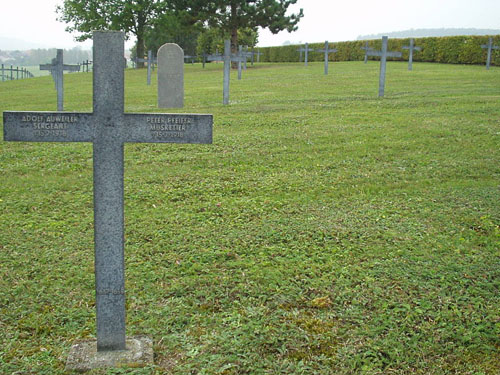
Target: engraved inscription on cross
490 47
383 54
327 50
228 57
108 128
57 68
411 48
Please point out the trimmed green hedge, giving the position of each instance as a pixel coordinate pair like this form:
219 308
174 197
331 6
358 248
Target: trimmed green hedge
450 50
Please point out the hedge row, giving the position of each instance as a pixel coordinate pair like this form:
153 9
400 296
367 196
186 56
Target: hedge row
450 50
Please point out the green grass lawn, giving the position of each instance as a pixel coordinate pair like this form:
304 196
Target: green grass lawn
325 231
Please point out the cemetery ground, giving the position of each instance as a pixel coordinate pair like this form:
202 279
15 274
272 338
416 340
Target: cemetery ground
325 231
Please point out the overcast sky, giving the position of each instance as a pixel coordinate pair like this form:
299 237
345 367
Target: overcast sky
34 21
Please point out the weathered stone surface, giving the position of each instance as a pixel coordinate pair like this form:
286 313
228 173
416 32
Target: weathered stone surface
108 128
170 76
84 356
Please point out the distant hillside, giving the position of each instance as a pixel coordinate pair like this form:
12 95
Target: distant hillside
422 33
13 44
41 56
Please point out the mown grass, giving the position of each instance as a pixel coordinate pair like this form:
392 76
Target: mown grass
325 231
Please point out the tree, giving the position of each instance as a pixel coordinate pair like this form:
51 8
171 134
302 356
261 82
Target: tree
173 28
233 15
212 39
132 17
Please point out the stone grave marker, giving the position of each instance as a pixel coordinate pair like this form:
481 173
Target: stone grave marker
228 57
383 54
170 76
490 47
411 48
258 53
248 55
366 48
203 59
56 69
241 59
86 65
108 128
306 51
190 58
151 64
326 51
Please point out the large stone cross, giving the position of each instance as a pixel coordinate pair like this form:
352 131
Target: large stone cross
489 46
306 51
108 128
383 54
327 50
227 58
56 69
411 48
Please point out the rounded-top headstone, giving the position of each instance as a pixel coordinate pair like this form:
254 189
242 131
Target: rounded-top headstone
170 76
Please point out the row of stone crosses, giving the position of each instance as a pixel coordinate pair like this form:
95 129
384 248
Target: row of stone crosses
108 128
173 69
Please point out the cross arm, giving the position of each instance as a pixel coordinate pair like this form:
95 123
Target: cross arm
167 128
371 52
71 68
47 126
332 50
215 58
487 46
394 54
415 48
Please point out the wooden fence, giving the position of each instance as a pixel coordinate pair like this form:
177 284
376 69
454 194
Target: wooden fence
9 74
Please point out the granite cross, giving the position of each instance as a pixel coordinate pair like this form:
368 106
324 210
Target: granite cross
86 65
411 48
258 53
327 50
366 48
151 64
227 58
249 54
241 58
489 46
191 58
108 128
383 54
57 68
306 50
246 55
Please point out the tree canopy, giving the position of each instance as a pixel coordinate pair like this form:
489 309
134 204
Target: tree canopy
133 17
147 18
233 15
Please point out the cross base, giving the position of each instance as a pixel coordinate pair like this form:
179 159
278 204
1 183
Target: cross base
84 356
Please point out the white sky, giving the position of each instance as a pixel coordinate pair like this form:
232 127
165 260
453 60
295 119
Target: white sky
333 20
